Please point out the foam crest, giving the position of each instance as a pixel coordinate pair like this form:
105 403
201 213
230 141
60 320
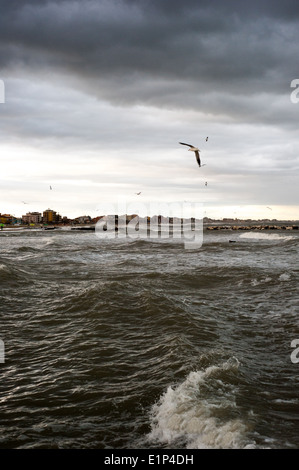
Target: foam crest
266 236
284 277
193 414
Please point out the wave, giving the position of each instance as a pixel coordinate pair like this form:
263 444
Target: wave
47 241
266 236
284 277
40 245
25 249
201 412
11 275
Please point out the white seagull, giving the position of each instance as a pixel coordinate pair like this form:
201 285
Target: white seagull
195 150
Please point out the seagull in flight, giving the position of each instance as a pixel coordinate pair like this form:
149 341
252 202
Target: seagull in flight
138 193
195 150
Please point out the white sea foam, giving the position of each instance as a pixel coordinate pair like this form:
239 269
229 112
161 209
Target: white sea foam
47 241
255 282
202 420
284 277
265 236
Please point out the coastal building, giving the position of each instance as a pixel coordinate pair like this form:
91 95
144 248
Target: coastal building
17 220
50 217
6 219
83 219
32 218
65 220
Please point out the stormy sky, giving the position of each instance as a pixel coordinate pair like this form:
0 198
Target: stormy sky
98 95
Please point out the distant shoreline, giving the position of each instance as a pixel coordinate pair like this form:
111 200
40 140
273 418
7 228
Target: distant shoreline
208 224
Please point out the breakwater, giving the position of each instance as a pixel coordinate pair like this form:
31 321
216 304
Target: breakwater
252 227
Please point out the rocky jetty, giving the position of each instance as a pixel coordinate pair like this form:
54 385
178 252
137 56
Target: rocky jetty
252 227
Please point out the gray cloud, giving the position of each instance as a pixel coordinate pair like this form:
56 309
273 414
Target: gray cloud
97 80
127 51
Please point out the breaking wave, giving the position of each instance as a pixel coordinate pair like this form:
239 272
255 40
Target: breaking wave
266 236
194 415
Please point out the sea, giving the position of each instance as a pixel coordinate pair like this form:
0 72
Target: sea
144 344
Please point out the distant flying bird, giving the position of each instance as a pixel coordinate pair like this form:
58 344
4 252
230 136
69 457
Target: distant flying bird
269 208
138 193
195 150
25 202
206 183
50 187
207 139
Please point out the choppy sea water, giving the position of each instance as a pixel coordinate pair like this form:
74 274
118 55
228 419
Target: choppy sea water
143 344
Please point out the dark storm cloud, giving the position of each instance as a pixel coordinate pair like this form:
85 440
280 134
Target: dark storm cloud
168 53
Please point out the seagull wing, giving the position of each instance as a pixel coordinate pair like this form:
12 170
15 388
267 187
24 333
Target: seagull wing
197 157
186 144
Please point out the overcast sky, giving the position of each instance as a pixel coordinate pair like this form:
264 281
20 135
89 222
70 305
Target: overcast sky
98 95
